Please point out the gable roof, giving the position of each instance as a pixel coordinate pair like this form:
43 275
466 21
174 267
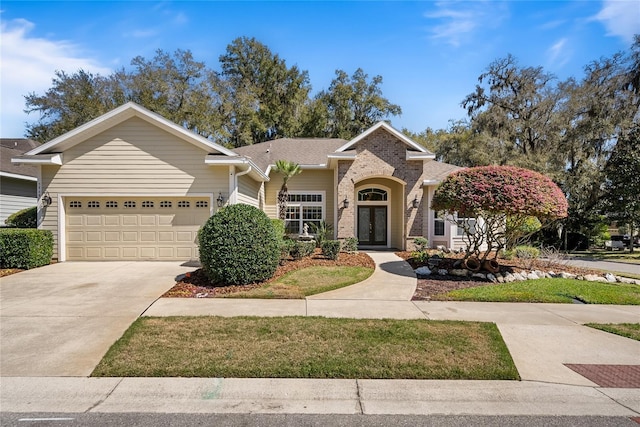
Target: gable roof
10 147
307 152
119 115
385 126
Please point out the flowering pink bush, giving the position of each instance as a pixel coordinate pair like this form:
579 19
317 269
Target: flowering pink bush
500 189
496 193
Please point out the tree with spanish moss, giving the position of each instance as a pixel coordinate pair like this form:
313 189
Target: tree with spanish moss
495 195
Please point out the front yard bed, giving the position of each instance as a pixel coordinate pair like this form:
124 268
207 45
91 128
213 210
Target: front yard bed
308 347
294 279
628 330
541 290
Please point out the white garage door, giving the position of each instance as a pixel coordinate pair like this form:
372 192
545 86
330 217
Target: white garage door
134 228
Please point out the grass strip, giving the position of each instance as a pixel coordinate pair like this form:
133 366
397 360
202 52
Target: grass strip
549 290
308 347
307 281
628 330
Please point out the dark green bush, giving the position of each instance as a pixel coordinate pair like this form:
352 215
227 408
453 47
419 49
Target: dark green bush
278 225
286 246
25 248
238 246
26 218
350 245
302 248
331 249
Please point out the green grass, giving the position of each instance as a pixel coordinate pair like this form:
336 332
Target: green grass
307 281
550 290
628 330
308 347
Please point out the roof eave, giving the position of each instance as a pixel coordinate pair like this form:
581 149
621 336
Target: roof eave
214 160
38 159
389 129
18 176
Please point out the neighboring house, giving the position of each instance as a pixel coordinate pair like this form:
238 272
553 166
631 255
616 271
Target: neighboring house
18 183
133 185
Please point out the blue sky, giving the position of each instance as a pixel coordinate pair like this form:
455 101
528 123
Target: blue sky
429 53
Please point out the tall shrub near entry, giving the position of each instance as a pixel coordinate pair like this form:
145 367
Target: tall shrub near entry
239 245
495 194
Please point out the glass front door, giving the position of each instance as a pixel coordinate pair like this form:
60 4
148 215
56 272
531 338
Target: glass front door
372 225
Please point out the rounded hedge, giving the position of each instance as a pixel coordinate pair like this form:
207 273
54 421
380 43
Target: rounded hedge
239 245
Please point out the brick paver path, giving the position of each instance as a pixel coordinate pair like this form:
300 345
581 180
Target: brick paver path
612 376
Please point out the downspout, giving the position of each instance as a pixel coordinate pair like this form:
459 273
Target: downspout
233 199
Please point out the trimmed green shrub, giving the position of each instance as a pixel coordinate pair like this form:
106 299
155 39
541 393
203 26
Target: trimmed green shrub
302 248
350 245
420 256
527 252
286 246
278 225
322 231
421 244
331 249
238 246
26 218
25 248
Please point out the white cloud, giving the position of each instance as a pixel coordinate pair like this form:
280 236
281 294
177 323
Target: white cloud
621 18
461 20
557 55
28 65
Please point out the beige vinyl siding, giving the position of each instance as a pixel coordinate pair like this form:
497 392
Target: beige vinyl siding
17 194
132 158
248 191
308 180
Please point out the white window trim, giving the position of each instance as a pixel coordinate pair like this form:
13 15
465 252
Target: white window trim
300 205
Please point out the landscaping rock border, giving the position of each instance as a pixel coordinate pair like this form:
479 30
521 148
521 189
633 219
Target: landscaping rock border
507 277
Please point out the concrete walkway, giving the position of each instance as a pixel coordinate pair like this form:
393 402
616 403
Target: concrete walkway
392 280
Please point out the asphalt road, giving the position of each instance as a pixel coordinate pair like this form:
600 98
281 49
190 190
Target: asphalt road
297 420
621 267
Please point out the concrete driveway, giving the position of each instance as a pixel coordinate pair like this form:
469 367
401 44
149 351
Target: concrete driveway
59 320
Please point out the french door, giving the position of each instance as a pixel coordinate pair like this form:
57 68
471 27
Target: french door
372 225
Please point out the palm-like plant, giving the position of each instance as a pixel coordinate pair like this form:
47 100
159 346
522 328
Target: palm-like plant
287 169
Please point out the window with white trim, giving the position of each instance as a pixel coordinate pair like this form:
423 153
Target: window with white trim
147 203
438 223
166 204
372 195
75 204
93 204
130 204
111 204
304 208
202 204
184 204
465 222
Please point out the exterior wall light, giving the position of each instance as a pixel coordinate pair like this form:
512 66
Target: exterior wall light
46 200
220 200
345 203
415 202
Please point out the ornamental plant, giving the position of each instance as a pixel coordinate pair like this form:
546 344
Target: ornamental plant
494 194
239 245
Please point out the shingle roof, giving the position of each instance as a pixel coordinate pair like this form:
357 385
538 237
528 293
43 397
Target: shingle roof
11 147
304 151
438 171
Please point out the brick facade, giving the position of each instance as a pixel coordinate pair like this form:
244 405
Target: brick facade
382 155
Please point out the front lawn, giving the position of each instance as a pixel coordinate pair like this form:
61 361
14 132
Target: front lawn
305 282
308 347
293 279
548 290
628 330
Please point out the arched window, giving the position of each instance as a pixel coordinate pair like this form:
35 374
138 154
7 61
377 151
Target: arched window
372 195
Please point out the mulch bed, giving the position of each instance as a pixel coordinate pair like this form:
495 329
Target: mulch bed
437 284
9 271
197 285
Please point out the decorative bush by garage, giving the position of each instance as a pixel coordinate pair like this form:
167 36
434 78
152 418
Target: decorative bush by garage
25 248
239 245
